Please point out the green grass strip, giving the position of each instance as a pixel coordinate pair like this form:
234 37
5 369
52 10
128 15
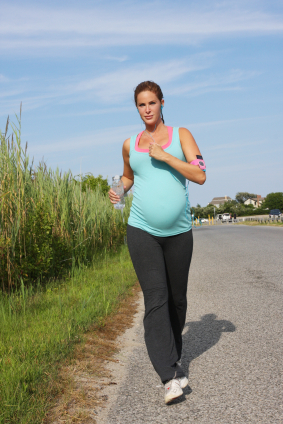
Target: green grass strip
265 223
40 327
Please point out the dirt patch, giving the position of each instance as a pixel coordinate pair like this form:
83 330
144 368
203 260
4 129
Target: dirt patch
90 377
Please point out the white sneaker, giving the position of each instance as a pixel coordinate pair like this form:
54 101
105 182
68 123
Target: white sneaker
173 390
183 382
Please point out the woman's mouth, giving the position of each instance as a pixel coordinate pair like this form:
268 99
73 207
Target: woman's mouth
148 117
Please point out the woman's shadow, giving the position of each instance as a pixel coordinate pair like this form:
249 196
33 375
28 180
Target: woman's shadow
201 336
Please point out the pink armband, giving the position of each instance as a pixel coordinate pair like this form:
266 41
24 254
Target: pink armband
200 163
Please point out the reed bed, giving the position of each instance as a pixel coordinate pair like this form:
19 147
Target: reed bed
47 223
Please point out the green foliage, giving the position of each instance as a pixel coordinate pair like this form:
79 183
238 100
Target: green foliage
93 183
232 207
274 201
45 251
241 197
40 326
47 222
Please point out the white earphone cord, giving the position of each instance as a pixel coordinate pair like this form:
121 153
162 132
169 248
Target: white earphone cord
151 133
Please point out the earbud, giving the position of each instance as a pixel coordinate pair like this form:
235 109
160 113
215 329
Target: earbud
161 107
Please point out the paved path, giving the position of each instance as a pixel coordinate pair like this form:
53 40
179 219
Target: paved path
232 339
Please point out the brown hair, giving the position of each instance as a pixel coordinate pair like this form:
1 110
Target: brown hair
149 86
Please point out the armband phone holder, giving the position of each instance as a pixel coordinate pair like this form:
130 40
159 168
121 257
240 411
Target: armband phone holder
199 162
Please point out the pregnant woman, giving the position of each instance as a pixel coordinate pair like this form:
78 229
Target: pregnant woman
159 233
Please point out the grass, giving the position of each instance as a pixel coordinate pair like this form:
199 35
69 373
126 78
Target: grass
40 327
85 377
253 223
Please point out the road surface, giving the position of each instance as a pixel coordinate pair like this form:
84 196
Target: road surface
232 340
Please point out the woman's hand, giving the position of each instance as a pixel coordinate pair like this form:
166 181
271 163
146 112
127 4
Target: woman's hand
156 151
114 198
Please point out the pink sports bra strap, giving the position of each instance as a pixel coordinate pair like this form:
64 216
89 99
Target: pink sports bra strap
170 134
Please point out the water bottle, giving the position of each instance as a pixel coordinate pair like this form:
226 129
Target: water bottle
118 187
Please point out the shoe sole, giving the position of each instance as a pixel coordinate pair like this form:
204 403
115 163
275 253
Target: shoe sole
171 396
167 401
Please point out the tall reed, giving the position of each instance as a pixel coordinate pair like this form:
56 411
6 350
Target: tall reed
47 224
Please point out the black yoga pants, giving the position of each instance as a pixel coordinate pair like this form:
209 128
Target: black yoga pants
162 267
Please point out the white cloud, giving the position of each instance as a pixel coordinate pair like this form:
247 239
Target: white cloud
11 93
33 26
98 111
117 59
112 87
239 168
96 138
116 85
215 83
235 146
3 78
228 122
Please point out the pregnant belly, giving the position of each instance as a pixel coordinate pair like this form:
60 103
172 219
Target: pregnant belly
160 210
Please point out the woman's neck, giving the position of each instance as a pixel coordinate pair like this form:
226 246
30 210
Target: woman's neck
154 128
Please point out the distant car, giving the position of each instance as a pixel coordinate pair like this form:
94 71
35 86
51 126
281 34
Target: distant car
226 217
203 220
275 213
219 217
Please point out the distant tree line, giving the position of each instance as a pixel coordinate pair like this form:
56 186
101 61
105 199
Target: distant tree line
272 201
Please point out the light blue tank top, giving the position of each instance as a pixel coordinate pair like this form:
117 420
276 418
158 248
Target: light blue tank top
160 204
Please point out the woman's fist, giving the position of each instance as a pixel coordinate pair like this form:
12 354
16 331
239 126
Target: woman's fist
156 151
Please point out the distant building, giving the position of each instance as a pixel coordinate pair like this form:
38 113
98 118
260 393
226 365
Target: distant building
217 201
255 201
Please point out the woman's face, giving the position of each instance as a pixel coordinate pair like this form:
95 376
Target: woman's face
149 106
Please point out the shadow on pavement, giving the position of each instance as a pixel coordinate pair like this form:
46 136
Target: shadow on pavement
201 336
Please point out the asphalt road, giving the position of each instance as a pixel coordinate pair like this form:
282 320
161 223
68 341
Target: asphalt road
232 339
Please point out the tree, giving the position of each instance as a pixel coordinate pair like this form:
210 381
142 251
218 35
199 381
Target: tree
273 201
242 196
94 183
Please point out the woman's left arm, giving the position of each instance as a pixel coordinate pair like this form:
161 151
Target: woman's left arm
190 150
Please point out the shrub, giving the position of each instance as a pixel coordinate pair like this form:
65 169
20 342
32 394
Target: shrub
94 183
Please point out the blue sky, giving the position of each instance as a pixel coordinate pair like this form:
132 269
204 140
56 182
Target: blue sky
74 67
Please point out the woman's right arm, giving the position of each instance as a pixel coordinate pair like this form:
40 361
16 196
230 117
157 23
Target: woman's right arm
128 175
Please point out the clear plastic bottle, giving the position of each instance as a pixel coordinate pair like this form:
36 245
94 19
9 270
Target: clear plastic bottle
118 187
